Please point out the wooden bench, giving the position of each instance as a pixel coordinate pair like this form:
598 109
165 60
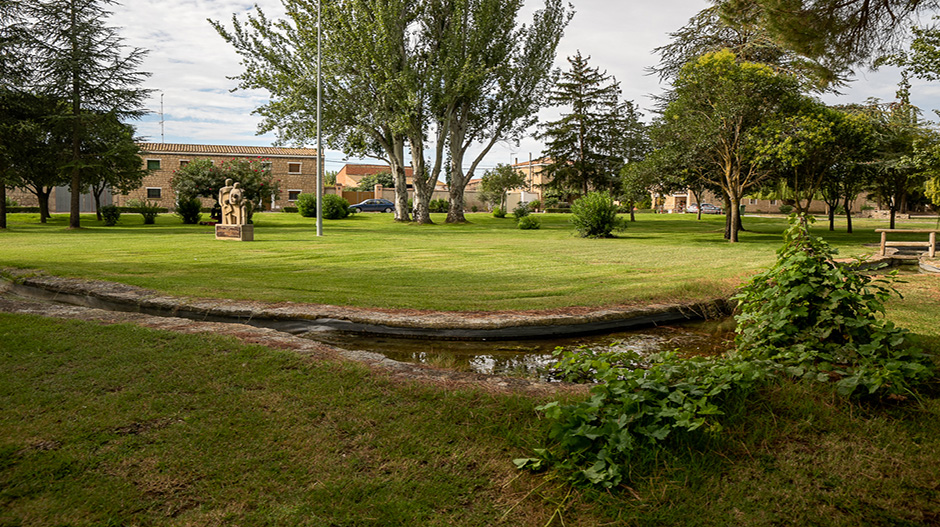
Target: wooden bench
931 242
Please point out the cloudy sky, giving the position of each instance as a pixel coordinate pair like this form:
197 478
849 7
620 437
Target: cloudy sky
191 66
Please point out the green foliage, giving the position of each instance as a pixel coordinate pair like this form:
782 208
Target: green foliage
786 209
368 183
189 210
499 213
595 215
110 214
596 134
497 182
932 190
203 178
148 209
640 404
529 223
334 207
11 202
820 320
438 205
521 211
307 205
535 205
290 209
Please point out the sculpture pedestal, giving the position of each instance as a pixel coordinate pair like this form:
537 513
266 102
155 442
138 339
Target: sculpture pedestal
243 233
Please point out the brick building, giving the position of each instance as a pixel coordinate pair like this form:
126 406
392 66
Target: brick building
351 174
296 168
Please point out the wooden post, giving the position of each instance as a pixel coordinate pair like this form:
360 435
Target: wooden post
933 245
884 239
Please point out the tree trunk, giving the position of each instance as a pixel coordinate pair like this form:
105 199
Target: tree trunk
97 193
735 218
455 211
43 197
848 215
728 219
3 206
397 164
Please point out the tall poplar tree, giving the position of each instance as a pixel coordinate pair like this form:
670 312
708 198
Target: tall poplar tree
79 59
589 143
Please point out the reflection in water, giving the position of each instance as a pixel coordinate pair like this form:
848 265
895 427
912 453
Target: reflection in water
530 358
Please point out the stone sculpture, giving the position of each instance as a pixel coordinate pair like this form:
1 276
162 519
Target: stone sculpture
234 214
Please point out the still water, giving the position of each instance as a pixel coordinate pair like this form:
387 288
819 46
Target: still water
531 358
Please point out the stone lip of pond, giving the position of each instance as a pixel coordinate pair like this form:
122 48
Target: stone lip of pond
299 318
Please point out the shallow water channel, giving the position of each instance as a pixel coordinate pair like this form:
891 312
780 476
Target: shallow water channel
531 357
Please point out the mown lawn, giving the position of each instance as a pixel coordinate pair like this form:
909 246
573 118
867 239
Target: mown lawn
368 260
120 425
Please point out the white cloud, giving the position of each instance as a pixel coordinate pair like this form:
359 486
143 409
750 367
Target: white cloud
191 64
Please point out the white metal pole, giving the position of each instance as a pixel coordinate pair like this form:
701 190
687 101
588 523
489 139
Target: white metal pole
319 139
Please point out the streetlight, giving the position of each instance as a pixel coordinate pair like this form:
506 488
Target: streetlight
319 139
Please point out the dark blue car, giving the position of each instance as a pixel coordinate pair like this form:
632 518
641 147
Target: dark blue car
373 205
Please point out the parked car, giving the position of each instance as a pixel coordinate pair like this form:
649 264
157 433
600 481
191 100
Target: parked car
373 205
707 208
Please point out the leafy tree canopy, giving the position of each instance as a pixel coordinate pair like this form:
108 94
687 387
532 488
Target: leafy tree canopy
202 178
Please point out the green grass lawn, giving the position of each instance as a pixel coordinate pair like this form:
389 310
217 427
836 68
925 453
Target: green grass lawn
370 261
120 425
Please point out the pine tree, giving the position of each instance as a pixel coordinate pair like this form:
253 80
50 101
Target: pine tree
589 144
79 59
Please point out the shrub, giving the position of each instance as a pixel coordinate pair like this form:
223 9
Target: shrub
289 209
189 210
334 207
786 209
474 208
595 215
499 213
521 211
551 202
823 321
529 223
306 205
146 208
110 214
11 202
438 205
535 205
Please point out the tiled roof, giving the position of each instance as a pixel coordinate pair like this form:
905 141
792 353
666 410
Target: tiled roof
355 169
166 148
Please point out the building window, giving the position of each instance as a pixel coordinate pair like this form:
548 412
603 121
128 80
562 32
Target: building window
267 165
153 164
773 202
183 162
753 202
154 193
293 168
292 195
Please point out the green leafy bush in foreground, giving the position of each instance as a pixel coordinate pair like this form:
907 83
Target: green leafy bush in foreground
595 215
806 318
822 320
